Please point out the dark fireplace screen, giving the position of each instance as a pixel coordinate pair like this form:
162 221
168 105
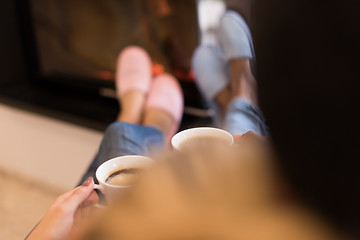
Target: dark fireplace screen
82 38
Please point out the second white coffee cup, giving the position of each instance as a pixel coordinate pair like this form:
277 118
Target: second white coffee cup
182 136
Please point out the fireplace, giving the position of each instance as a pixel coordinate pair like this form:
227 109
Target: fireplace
58 56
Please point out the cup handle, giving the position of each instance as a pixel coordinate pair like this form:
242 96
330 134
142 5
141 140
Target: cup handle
98 187
101 189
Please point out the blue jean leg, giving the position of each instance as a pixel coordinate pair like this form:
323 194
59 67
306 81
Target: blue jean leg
242 117
122 139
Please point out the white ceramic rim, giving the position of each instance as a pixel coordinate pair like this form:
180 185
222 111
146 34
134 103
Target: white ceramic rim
200 131
119 163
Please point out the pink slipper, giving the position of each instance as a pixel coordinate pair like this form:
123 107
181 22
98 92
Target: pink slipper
133 71
166 95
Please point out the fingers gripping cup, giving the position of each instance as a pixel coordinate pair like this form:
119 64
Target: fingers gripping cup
116 175
200 137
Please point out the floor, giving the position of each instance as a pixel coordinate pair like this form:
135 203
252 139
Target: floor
22 205
39 159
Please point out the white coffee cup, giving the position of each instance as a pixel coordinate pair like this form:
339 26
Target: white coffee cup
182 136
113 192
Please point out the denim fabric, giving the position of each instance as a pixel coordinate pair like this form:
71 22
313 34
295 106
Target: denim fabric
122 139
242 117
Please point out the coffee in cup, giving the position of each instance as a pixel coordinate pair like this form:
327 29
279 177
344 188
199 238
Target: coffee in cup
123 177
116 175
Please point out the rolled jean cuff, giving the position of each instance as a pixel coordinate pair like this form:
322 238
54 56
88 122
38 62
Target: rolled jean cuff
121 139
243 117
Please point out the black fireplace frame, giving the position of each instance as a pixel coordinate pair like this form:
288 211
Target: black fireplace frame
22 86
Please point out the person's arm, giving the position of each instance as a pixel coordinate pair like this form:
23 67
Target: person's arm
69 208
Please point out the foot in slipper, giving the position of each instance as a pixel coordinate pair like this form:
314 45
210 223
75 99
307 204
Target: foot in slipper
164 106
133 81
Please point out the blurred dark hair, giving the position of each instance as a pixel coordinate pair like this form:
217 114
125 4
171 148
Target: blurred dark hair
308 72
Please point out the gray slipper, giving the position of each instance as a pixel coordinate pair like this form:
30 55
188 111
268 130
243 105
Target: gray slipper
211 73
234 37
